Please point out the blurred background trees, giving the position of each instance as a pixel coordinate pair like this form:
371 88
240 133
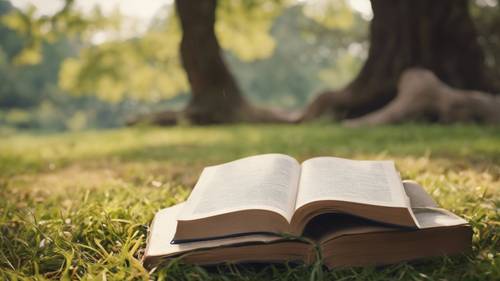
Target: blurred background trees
74 69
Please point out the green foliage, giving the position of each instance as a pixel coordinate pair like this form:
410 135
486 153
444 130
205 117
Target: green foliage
31 98
308 58
27 85
77 205
146 68
265 32
330 13
68 22
342 72
29 94
243 27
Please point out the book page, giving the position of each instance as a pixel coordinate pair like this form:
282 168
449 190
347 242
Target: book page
418 196
163 229
268 182
432 217
365 182
426 210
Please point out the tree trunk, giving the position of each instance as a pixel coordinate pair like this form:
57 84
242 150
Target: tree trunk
435 35
216 97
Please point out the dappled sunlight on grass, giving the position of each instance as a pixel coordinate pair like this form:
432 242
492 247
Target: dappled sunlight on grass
78 204
25 153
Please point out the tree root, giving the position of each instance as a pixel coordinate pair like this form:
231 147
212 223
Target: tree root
422 96
164 118
247 114
327 103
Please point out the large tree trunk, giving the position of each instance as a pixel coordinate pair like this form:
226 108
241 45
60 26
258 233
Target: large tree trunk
435 35
216 97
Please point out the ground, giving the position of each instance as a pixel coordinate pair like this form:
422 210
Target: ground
78 205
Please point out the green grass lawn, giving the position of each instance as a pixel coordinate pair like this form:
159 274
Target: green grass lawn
78 205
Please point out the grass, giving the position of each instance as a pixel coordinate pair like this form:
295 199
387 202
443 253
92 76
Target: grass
78 205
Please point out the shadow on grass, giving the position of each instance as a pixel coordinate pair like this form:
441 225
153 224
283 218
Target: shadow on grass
205 146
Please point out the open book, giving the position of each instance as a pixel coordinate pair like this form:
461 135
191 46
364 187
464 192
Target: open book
273 193
342 240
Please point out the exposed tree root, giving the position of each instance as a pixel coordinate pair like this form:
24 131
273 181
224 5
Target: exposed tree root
164 118
422 96
328 103
247 115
